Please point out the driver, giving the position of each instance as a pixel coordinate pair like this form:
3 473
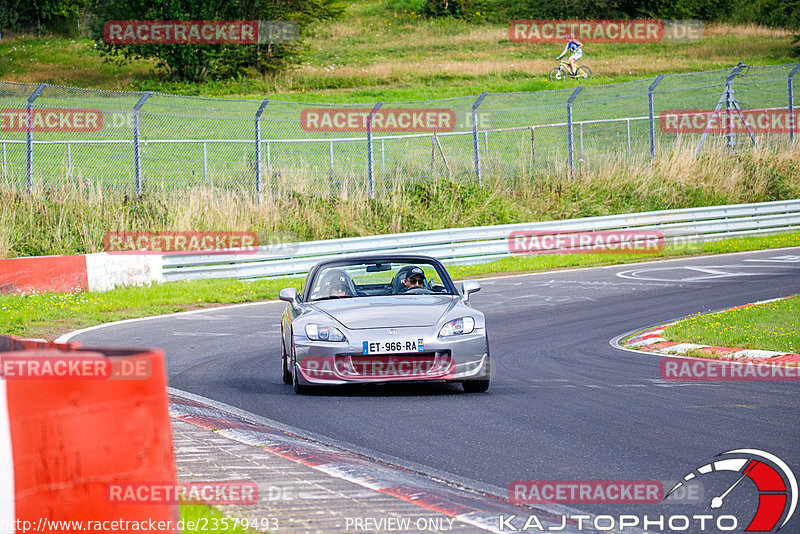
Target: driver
414 278
337 284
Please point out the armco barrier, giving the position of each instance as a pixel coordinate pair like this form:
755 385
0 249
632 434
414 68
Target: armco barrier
486 243
64 438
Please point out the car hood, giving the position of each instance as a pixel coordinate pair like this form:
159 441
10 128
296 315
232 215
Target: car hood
388 311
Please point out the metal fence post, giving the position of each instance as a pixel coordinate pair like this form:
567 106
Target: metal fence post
330 156
570 152
29 137
205 162
137 167
258 148
475 136
369 149
791 102
725 98
5 168
69 160
729 102
651 114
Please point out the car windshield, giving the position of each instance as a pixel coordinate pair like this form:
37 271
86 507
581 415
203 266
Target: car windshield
369 279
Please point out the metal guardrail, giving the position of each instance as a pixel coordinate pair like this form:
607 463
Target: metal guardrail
486 243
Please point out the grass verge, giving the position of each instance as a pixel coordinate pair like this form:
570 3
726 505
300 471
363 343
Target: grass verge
769 326
49 315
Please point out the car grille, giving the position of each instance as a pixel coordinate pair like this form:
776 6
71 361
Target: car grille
395 366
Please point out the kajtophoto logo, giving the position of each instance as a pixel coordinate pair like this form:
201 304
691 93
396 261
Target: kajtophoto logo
774 480
383 120
579 242
775 503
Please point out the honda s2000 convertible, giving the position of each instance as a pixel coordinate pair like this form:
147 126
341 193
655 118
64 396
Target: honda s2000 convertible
378 319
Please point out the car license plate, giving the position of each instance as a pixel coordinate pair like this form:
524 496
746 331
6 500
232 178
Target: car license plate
389 347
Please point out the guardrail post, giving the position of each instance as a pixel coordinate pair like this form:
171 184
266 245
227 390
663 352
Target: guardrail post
370 173
475 149
137 167
29 137
258 148
791 102
650 112
570 151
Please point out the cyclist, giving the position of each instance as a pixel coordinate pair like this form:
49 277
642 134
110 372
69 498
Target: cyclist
576 48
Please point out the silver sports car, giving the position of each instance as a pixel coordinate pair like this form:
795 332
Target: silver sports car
382 319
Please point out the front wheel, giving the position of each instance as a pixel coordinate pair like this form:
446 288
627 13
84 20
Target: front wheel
584 72
556 75
296 386
479 385
286 375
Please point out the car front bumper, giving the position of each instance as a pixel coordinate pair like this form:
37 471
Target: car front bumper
454 358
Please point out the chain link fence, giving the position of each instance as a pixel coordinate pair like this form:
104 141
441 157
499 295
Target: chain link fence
54 137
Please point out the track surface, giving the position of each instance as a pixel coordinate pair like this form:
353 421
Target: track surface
563 404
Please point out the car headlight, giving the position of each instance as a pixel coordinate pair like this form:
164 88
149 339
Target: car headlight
319 332
464 325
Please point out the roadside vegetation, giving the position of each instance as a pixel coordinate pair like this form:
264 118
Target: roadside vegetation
397 50
49 315
74 219
769 326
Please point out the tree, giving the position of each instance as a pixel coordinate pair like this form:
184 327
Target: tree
199 61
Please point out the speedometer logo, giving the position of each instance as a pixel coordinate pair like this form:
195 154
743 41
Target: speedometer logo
777 485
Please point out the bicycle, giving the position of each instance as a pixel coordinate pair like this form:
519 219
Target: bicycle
563 71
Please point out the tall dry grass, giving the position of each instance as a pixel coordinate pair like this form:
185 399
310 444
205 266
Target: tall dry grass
295 206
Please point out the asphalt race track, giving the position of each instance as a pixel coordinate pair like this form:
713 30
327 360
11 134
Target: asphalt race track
563 405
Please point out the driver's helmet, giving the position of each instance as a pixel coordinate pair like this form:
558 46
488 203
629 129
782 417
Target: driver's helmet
336 281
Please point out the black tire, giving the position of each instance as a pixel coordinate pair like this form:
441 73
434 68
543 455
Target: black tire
299 389
556 75
584 72
286 374
479 385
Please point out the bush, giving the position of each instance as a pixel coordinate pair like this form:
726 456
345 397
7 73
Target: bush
215 61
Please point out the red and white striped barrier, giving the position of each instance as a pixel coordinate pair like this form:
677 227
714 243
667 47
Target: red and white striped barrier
73 421
87 272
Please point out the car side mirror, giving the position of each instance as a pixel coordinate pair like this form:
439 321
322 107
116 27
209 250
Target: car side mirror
288 294
470 287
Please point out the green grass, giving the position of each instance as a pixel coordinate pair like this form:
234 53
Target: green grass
769 326
383 50
49 315
203 519
74 219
